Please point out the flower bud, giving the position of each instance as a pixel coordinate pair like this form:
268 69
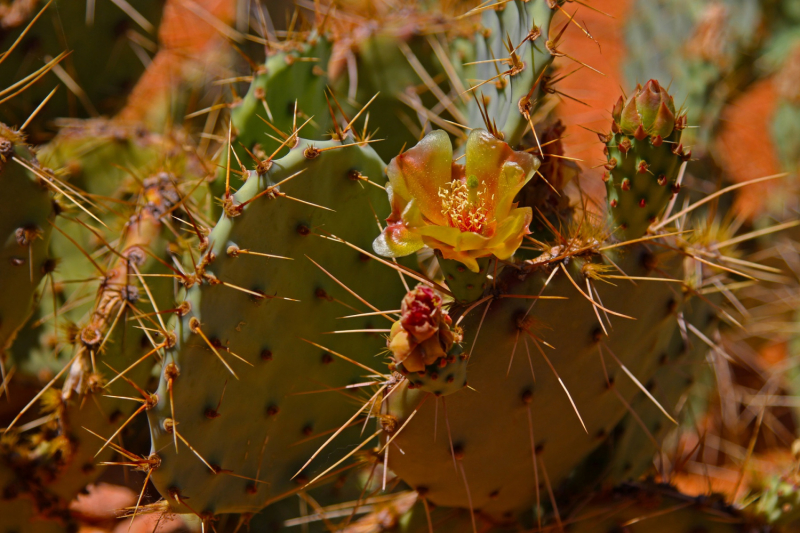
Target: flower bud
424 332
649 111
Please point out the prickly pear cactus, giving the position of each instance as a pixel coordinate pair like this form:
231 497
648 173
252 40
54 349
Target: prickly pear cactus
458 340
55 460
644 153
288 257
484 433
513 50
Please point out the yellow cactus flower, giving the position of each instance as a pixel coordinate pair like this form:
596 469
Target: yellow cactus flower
464 211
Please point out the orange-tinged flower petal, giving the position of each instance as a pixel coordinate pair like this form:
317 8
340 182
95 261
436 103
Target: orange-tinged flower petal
445 234
420 172
466 212
469 258
396 240
431 350
400 342
415 362
511 232
499 168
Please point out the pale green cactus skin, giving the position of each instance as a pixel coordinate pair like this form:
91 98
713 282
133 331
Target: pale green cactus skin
50 463
632 449
263 404
505 102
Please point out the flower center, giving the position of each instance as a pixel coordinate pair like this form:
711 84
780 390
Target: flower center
464 206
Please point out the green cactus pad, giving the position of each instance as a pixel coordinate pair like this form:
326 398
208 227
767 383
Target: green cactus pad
508 99
25 228
489 423
644 153
273 313
637 196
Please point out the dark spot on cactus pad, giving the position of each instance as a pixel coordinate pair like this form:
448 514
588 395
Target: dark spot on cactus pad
527 396
258 297
303 230
266 354
649 261
458 451
48 266
320 293
326 358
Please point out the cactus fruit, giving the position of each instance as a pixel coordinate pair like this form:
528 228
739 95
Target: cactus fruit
644 153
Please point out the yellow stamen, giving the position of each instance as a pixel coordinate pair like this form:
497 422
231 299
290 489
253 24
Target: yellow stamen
465 207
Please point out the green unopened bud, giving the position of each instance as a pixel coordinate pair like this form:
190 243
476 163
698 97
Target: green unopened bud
650 111
629 120
664 122
616 112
